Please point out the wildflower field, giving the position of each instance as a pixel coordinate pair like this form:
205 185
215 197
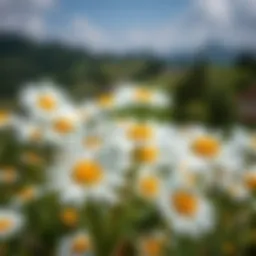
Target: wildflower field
91 178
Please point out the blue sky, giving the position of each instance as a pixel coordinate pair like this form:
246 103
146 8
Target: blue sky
118 14
163 26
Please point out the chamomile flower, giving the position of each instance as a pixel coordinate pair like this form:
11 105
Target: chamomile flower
140 133
199 148
152 244
228 168
84 176
183 174
27 194
42 99
29 131
69 216
149 184
134 95
153 145
32 158
106 101
11 223
78 244
186 211
8 175
63 125
105 134
6 118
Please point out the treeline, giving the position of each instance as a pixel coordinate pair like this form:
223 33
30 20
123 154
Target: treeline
24 60
212 94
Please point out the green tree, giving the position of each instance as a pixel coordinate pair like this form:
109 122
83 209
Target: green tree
190 95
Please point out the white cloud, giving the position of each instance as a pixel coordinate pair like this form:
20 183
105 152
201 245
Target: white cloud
25 16
217 11
227 22
82 31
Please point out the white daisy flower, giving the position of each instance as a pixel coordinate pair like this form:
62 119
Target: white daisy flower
199 149
186 211
159 150
207 173
104 134
42 99
69 216
107 101
63 125
32 158
140 133
78 244
103 140
149 184
11 223
29 131
134 95
240 186
8 175
152 244
84 176
27 194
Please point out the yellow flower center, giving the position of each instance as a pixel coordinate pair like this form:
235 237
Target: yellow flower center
152 247
69 217
92 142
149 186
250 181
47 102
140 132
9 174
106 100
4 116
87 173
36 135
143 95
26 194
146 154
32 158
63 125
206 146
185 203
81 244
5 224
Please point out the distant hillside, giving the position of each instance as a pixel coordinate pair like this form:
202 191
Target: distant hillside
23 60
